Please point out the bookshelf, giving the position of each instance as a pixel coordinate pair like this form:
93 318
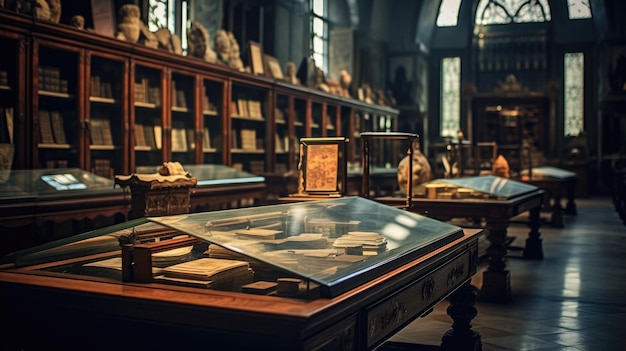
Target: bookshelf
109 106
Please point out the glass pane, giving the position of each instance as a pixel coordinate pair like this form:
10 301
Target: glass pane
578 9
448 13
484 187
574 93
318 7
333 225
517 11
451 96
318 27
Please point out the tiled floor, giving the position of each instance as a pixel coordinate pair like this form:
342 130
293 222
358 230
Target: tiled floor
573 299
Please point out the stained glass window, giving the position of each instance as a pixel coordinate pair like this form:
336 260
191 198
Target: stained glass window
448 13
512 11
574 93
319 32
169 14
579 9
450 96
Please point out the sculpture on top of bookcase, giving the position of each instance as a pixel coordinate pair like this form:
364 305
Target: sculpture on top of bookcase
78 22
199 43
168 41
228 51
49 10
234 61
132 29
290 73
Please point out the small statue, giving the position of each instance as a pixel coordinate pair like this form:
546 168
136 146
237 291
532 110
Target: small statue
78 22
55 10
421 169
320 80
367 94
290 73
222 47
234 59
129 27
344 81
199 43
41 10
168 41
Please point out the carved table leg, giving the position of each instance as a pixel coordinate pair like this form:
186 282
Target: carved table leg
496 279
533 248
570 208
461 337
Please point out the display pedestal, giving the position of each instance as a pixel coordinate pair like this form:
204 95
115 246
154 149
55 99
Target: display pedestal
154 195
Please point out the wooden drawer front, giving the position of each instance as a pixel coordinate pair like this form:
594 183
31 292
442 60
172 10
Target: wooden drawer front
339 336
394 312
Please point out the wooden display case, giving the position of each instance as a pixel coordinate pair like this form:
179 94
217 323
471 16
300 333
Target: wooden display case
284 296
495 200
160 106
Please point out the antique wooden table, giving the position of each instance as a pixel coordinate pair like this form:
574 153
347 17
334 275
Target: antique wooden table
47 303
497 212
557 183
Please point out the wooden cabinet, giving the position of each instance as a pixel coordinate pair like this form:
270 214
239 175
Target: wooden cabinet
80 99
518 125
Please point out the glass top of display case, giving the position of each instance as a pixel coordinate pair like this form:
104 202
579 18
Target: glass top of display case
58 182
213 175
483 187
551 172
330 245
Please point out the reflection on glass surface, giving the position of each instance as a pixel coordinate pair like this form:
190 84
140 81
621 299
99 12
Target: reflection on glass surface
332 244
210 175
53 182
483 187
552 172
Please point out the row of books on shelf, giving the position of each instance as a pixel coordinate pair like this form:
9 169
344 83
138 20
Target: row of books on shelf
183 140
246 139
178 97
247 108
101 88
4 78
144 93
51 127
282 142
100 131
6 125
207 105
50 80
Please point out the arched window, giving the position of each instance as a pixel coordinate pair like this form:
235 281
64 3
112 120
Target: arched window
450 96
512 11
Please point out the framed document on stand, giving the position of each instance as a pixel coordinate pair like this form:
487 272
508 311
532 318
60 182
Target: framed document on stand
323 166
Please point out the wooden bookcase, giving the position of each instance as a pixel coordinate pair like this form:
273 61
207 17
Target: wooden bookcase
81 99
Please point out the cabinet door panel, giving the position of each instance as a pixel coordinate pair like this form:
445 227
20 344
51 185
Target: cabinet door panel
57 108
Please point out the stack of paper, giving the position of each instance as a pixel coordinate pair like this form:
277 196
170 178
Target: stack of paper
212 273
371 242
